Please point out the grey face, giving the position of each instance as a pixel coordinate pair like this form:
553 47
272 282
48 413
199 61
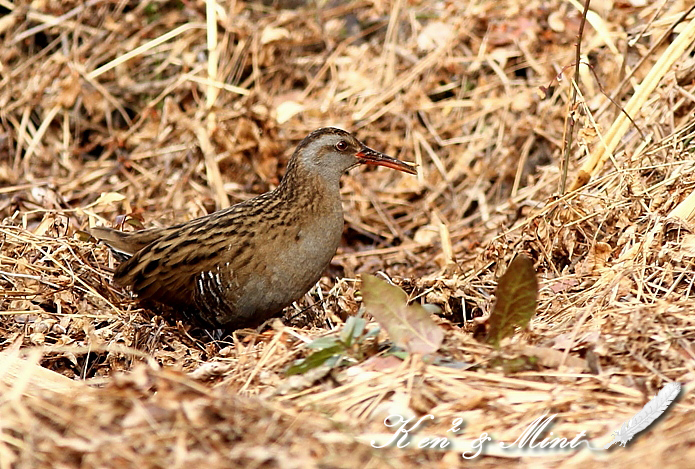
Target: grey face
330 152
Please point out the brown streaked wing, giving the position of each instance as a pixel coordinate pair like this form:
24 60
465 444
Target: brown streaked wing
166 269
127 242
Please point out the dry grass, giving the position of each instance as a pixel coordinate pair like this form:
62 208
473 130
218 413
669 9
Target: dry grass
147 109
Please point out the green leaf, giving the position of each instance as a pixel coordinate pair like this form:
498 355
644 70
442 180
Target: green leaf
315 360
408 326
352 330
332 349
517 292
323 342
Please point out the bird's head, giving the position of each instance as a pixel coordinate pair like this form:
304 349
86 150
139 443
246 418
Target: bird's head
330 152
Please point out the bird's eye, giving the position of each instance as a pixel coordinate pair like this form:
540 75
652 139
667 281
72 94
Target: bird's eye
341 145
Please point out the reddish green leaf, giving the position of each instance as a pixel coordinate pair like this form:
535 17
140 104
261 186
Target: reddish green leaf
517 291
408 326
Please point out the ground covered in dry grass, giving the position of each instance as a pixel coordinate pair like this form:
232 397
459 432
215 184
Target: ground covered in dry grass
162 111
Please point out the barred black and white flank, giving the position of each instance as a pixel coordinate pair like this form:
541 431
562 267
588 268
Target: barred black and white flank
650 412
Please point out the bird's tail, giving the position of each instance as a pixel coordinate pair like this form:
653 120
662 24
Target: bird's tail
125 244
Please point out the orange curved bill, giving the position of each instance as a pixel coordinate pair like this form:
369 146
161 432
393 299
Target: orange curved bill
368 156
